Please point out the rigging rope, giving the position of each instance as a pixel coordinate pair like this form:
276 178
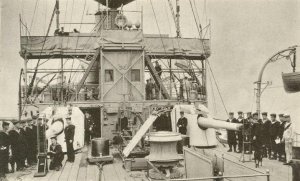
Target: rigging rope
217 86
35 8
208 60
157 26
35 71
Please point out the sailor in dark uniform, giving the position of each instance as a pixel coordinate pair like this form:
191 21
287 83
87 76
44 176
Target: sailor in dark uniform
56 155
231 136
274 134
162 123
266 135
34 129
123 122
69 137
18 146
240 120
182 123
30 139
248 133
90 126
158 68
4 149
281 146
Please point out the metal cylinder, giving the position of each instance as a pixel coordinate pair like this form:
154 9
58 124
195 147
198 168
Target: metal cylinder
163 148
100 147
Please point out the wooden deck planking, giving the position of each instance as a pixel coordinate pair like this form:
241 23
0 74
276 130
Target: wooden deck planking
278 171
65 173
55 176
91 173
81 173
110 173
75 167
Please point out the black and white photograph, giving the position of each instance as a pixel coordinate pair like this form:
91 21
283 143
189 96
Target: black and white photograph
150 90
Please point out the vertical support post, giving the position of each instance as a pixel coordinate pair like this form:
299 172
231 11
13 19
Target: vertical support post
203 89
170 69
268 175
177 18
107 14
142 22
258 95
25 75
20 93
57 14
62 79
294 61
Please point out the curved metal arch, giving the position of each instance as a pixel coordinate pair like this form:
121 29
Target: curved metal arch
274 58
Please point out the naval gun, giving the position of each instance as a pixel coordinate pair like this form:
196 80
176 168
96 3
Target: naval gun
201 127
201 131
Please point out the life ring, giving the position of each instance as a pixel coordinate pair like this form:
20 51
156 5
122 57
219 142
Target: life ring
121 21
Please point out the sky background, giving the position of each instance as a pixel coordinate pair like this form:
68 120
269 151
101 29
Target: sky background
244 34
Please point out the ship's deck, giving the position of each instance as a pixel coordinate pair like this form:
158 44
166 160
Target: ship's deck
80 170
278 171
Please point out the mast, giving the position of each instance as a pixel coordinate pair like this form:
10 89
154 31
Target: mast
57 13
177 19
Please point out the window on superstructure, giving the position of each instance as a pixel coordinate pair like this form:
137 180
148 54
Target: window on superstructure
109 75
135 75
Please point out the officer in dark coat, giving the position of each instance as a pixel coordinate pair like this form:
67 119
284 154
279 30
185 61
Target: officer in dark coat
266 135
69 137
231 136
123 122
4 150
56 155
240 120
162 123
30 139
182 124
257 131
158 68
248 133
18 146
274 134
281 146
90 127
34 129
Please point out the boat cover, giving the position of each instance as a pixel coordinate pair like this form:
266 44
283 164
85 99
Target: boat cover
291 82
82 43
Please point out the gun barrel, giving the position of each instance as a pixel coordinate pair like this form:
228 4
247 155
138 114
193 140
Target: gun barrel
211 123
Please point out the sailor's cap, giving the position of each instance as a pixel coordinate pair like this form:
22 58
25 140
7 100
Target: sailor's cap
286 115
68 117
264 113
249 112
240 112
231 113
273 115
4 123
53 137
255 114
281 115
24 120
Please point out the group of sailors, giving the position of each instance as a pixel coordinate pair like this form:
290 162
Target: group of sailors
270 137
19 145
187 87
62 32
